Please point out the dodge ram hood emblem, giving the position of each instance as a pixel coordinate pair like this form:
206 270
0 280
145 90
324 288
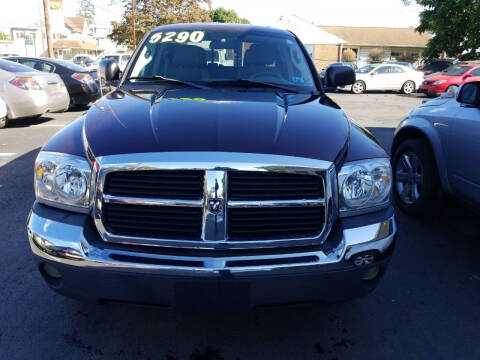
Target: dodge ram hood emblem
215 205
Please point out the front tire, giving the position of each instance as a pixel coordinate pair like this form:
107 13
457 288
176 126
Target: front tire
358 87
415 178
408 87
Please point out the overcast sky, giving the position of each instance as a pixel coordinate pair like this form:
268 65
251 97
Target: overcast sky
388 13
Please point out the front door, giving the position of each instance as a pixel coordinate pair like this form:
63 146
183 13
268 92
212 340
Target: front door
380 79
464 150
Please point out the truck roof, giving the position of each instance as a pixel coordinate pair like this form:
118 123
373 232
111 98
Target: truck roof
223 26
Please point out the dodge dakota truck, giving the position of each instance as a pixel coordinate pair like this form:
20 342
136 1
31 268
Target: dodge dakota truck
197 184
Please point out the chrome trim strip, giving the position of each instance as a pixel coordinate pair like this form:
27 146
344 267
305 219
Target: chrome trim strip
110 199
66 243
275 203
207 160
215 164
214 217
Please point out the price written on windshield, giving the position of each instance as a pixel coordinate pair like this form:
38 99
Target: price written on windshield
178 37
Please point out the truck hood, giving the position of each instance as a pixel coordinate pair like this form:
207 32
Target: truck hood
218 120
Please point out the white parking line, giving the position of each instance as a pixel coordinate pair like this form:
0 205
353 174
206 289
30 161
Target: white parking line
6 154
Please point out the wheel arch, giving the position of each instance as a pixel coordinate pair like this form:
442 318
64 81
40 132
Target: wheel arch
422 129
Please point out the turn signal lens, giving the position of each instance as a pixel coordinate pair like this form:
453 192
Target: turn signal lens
26 83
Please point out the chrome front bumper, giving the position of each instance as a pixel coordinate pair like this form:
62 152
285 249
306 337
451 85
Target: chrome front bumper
66 243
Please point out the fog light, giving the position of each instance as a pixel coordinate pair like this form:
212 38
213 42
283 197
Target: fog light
371 273
52 271
365 258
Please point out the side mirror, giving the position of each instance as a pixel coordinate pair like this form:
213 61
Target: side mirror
469 94
109 72
466 76
339 76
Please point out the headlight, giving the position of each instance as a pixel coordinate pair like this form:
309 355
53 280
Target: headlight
438 82
63 181
364 186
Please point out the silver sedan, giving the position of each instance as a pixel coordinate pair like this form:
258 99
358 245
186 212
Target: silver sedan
30 93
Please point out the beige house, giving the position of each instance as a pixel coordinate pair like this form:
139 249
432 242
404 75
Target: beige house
393 41
73 36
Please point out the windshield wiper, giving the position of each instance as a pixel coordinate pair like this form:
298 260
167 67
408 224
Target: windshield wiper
251 83
159 78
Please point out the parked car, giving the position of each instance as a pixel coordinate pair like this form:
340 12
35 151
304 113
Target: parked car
120 58
212 186
404 63
84 60
452 77
82 85
30 93
386 77
435 65
433 149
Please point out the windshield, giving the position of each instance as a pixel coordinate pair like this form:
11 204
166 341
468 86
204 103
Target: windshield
366 69
456 70
223 56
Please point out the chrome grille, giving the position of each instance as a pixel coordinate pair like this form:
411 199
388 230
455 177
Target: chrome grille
236 202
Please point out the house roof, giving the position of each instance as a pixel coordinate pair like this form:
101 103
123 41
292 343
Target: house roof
75 23
308 32
73 44
379 36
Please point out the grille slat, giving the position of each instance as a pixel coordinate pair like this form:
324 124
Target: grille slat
161 221
275 222
184 185
273 186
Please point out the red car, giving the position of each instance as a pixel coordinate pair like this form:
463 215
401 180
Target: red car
454 76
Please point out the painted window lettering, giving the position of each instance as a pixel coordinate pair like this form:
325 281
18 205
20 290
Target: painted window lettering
178 37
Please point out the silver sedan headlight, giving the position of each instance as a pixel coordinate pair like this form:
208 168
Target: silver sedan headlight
364 186
63 181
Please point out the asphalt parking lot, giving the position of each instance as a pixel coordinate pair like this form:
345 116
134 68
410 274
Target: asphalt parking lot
426 307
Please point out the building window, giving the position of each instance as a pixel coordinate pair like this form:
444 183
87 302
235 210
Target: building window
396 53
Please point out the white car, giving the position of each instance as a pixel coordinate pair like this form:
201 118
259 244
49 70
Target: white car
386 77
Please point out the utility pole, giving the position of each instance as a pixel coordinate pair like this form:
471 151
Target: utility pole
47 28
134 40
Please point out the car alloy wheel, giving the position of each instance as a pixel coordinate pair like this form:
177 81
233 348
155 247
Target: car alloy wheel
408 87
358 87
409 177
